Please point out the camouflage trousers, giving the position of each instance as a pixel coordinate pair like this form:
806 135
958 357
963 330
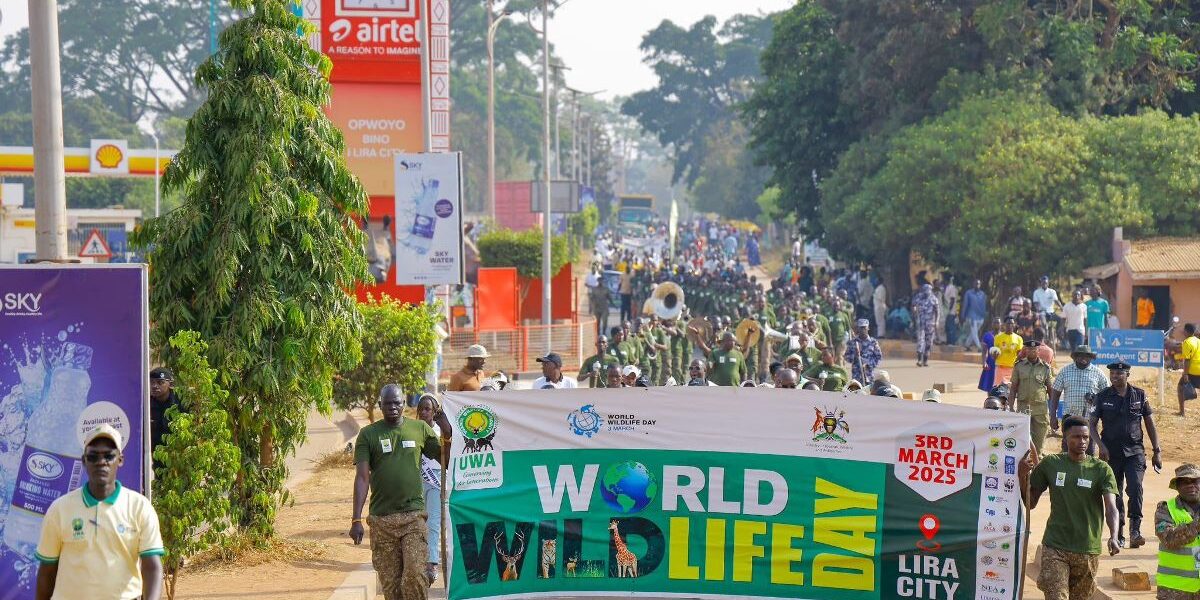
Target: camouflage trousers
1067 575
399 553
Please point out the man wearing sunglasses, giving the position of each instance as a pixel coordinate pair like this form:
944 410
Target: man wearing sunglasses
101 540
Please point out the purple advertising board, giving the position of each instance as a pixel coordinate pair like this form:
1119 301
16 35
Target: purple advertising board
73 355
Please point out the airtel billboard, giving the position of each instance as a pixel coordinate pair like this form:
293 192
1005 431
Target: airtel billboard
372 40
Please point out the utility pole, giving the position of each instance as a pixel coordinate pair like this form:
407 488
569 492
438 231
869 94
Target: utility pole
587 156
49 176
493 23
546 214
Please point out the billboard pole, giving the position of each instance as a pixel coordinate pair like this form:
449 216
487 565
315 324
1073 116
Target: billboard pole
49 176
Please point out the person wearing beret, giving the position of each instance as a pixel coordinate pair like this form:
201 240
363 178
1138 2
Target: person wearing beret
1177 525
1120 411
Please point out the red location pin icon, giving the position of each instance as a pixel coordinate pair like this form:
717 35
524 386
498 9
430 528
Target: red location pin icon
929 526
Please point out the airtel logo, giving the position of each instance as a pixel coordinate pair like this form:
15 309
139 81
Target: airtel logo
390 31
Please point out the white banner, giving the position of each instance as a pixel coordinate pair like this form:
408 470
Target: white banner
632 491
429 228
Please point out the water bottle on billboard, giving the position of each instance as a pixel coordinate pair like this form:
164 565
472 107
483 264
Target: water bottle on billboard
50 463
426 219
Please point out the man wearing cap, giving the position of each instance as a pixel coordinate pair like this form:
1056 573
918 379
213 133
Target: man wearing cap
863 353
1120 410
101 540
595 367
387 458
162 397
1177 524
1076 385
470 377
552 377
1031 378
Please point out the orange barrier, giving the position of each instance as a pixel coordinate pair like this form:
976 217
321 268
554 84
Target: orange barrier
516 350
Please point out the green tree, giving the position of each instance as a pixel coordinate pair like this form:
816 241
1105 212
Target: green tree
260 255
799 125
1005 188
703 74
398 347
199 461
523 251
136 56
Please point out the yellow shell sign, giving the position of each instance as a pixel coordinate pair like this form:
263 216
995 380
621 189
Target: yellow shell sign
109 157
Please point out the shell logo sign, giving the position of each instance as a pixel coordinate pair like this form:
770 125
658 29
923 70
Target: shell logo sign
109 157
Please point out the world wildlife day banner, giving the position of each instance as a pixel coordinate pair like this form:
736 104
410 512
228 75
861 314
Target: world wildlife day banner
73 355
732 492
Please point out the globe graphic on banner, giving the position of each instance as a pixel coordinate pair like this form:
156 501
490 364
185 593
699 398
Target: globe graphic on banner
628 487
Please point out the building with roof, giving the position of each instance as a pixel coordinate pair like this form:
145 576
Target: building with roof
1165 268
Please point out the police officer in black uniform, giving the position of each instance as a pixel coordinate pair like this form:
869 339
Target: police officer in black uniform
1119 411
162 397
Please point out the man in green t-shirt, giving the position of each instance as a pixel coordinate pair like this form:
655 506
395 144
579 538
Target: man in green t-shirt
594 369
727 365
831 377
1082 499
387 455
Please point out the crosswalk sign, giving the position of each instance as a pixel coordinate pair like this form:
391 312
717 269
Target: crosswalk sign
95 246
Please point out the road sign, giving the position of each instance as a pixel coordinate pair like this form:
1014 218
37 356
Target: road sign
1138 347
95 246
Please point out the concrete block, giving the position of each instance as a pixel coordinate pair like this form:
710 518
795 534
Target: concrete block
944 388
909 395
1131 577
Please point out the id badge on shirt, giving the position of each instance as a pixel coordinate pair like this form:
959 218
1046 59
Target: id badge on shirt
1061 479
1084 483
386 445
408 444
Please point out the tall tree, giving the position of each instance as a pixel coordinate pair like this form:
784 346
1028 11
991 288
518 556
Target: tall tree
703 74
136 56
259 256
799 124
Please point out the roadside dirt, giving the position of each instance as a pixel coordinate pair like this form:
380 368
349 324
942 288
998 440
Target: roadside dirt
315 556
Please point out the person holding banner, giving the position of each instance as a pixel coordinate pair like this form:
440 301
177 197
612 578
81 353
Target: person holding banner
1177 523
552 376
431 481
387 455
1082 500
470 377
728 363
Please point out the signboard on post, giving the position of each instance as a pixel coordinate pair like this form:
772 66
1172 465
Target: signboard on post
564 196
77 358
600 493
429 228
1138 347
95 246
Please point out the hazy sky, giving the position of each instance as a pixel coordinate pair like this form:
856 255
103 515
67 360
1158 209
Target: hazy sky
597 39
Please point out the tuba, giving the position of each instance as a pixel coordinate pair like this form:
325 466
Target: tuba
668 300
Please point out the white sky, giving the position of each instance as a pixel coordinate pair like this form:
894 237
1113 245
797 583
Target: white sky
597 39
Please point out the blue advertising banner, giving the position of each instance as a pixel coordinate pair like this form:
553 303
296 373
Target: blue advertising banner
1138 347
73 355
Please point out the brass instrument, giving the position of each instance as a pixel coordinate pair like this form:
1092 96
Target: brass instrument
747 334
699 329
668 300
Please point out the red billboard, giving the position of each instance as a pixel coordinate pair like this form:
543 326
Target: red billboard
372 40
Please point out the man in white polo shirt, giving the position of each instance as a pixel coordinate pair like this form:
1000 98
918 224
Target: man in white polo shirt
101 540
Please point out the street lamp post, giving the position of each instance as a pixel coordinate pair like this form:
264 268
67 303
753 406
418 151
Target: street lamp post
546 214
157 176
493 24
